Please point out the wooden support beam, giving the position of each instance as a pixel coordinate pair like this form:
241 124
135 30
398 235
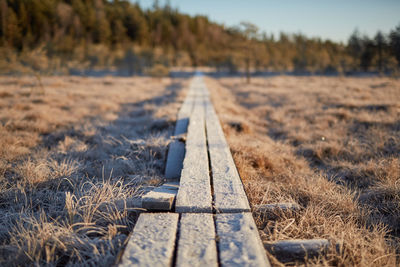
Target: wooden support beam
297 249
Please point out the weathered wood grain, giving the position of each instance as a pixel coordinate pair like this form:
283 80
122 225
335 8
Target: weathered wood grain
194 193
159 199
185 112
176 151
229 195
196 245
184 115
275 210
152 241
239 241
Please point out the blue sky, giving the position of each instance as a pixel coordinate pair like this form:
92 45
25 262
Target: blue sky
328 19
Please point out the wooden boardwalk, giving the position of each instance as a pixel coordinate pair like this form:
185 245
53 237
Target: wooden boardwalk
210 223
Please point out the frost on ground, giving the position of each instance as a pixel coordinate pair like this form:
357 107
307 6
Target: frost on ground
329 144
70 147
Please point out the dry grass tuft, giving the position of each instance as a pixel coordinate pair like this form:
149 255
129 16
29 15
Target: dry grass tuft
330 145
69 155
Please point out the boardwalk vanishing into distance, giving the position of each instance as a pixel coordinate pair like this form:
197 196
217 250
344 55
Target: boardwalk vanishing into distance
209 222
201 215
184 185
161 133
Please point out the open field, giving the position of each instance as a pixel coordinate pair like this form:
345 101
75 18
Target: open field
330 144
70 149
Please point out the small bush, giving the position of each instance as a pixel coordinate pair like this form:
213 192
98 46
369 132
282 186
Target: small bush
158 71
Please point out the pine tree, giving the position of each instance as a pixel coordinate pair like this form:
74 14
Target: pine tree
395 43
380 43
355 48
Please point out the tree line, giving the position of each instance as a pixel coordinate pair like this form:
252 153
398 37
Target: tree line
56 34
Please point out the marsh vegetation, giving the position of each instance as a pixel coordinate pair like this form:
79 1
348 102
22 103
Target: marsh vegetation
71 149
329 144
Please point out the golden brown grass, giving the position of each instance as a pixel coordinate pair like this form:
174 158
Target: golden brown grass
331 145
70 147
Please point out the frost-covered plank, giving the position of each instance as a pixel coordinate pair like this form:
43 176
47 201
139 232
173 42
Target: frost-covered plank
185 112
239 241
229 195
196 245
159 199
184 115
152 241
285 207
275 210
176 151
194 193
230 198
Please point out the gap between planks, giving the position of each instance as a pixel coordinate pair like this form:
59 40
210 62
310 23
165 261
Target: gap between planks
154 241
228 237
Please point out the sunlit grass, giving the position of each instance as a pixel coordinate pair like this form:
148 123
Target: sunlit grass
71 155
329 144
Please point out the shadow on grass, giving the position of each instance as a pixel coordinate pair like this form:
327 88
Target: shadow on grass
110 159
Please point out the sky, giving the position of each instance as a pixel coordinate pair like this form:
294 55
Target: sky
329 19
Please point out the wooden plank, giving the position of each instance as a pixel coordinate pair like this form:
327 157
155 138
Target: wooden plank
239 242
121 205
171 185
152 241
275 210
196 245
230 198
185 111
285 207
298 249
184 115
176 154
229 195
176 151
194 193
159 199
